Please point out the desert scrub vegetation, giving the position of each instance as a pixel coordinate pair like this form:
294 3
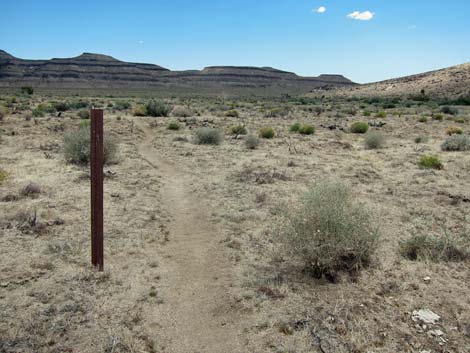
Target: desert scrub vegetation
456 143
359 127
295 127
453 130
329 232
122 105
381 114
3 176
156 108
424 247
421 139
181 112
307 130
449 110
252 142
174 126
232 113
423 119
77 147
3 112
83 114
208 136
438 117
238 130
430 162
139 111
374 140
267 132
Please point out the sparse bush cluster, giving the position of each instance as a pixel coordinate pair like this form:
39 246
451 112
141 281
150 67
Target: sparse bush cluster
238 130
456 143
174 125
77 148
359 127
267 132
453 130
181 112
432 248
152 108
374 140
430 162
232 113
208 136
251 142
329 231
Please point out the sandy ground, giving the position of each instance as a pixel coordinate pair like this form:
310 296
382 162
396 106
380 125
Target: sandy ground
191 261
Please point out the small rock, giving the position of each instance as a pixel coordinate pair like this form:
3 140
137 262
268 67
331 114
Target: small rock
427 279
425 316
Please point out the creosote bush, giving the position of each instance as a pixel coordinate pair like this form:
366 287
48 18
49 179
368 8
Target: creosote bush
381 114
139 111
307 130
430 162
77 147
174 126
156 108
456 143
422 119
374 140
3 175
238 130
267 132
251 142
329 231
208 136
359 127
449 110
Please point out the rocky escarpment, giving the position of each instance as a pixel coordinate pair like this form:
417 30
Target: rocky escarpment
96 70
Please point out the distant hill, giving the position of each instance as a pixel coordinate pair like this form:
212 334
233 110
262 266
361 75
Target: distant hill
449 82
100 71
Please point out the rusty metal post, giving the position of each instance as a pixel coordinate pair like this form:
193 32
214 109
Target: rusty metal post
96 169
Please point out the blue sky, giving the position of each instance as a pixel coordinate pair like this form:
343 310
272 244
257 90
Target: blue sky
379 39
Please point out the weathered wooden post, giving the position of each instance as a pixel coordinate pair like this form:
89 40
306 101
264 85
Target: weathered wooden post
96 169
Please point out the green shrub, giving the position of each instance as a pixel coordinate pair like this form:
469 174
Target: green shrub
374 140
460 120
156 108
232 113
139 111
438 117
307 130
423 119
430 162
181 112
84 124
238 130
456 143
421 139
27 90
251 142
267 132
208 136
3 112
431 248
174 125
276 112
329 231
366 113
381 114
122 105
359 127
60 106
3 175
77 147
78 104
39 111
449 110
295 127
84 114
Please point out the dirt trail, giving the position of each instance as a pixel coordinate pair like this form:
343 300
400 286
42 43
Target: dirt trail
197 314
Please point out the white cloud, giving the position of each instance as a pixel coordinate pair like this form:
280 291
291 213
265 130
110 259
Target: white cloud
363 16
141 42
412 27
321 9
